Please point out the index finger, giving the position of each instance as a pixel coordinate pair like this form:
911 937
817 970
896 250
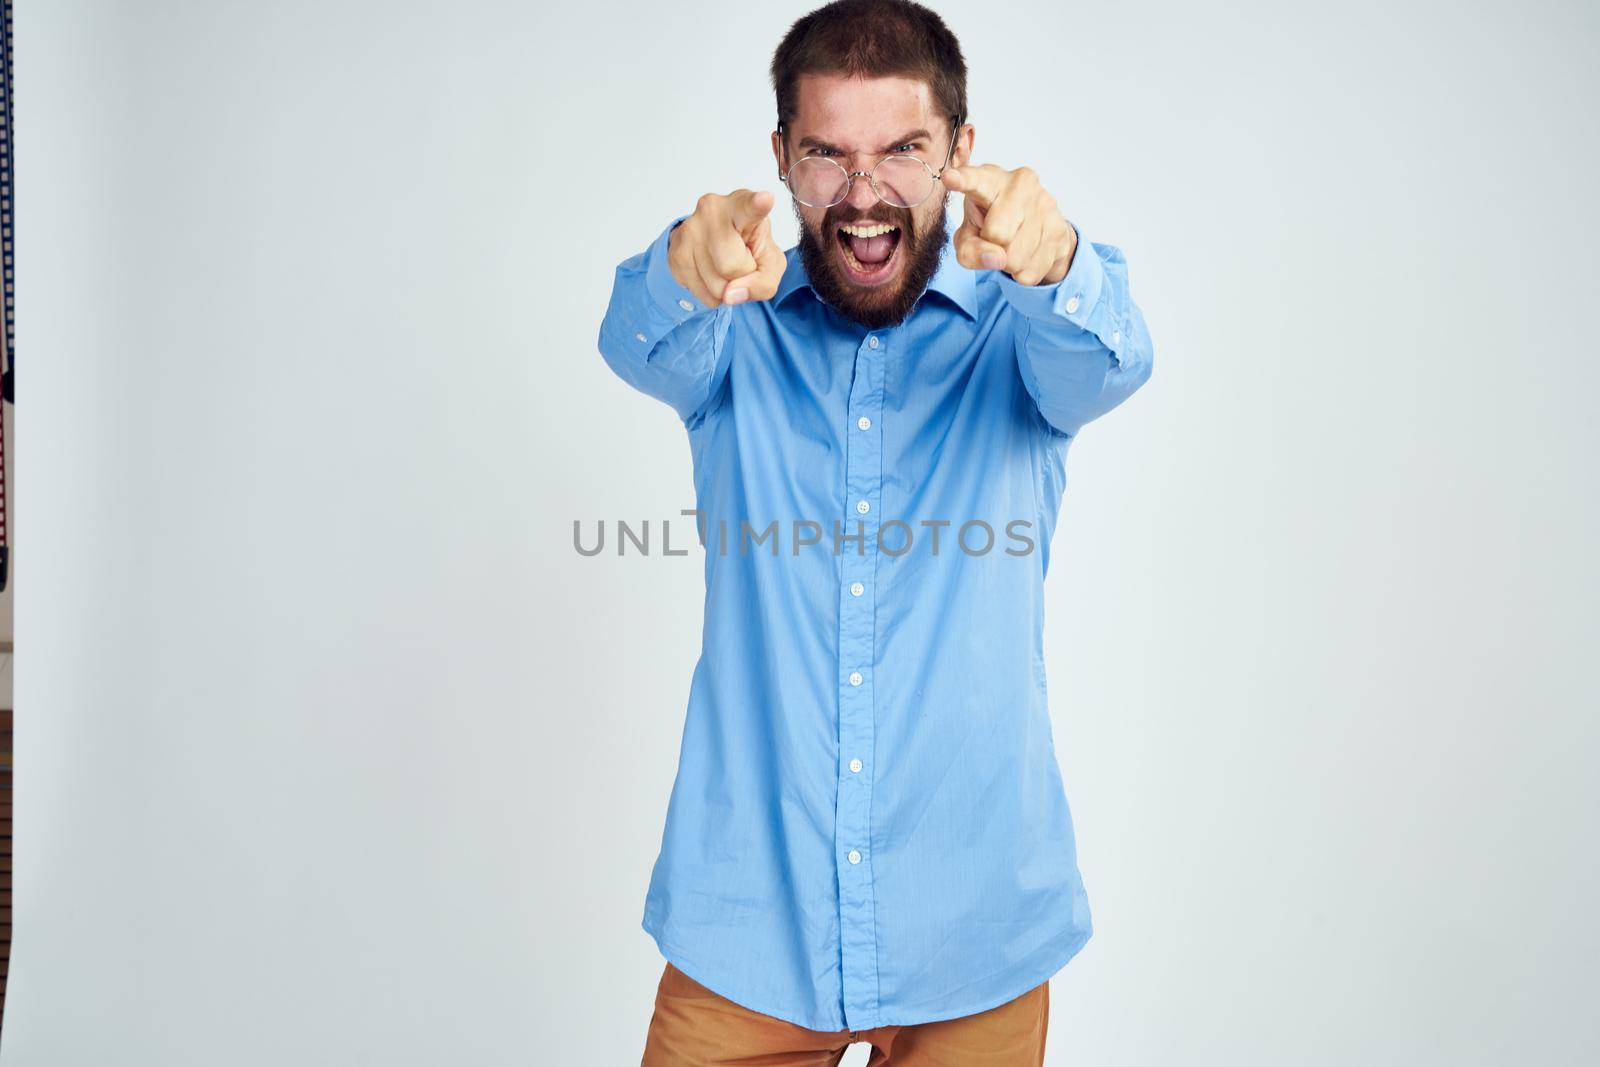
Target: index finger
746 207
983 182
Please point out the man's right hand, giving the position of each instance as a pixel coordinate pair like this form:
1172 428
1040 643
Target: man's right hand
724 252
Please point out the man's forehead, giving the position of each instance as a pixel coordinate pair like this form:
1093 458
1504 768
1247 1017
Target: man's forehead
836 107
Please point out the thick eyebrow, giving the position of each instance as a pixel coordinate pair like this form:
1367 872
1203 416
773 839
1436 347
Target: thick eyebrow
914 135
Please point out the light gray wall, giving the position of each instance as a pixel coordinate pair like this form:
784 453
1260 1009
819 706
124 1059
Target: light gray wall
331 750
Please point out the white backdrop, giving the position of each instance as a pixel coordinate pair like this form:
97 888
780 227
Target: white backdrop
331 750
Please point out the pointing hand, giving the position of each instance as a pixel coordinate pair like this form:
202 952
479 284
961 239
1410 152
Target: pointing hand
724 252
1010 223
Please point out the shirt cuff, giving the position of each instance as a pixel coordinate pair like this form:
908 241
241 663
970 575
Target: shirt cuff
674 299
1073 298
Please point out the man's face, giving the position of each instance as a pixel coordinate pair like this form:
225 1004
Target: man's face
873 280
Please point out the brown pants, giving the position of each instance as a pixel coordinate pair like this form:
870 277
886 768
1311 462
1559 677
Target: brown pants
694 1027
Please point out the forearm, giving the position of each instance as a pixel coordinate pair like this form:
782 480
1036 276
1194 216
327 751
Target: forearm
658 338
1082 344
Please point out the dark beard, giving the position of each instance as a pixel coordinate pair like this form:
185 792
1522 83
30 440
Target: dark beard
869 307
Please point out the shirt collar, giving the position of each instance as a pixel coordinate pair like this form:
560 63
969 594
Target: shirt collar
956 283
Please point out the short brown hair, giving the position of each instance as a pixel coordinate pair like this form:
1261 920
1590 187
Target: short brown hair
873 39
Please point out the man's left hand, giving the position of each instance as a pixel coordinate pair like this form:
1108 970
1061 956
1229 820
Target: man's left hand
1011 223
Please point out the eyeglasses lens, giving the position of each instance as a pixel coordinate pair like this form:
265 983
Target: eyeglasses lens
903 181
818 182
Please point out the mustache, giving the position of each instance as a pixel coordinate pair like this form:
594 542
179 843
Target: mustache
835 218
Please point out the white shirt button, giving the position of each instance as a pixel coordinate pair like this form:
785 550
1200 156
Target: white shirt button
863 507
685 305
872 342
1116 337
855 677
1072 304
853 856
855 766
640 337
863 422
856 589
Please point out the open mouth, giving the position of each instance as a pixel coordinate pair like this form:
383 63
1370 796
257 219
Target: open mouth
870 251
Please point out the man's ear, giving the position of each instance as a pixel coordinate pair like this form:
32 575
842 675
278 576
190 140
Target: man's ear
963 153
777 151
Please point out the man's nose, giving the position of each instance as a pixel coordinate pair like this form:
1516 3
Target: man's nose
861 197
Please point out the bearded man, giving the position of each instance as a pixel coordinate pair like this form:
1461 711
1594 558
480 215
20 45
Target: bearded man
868 838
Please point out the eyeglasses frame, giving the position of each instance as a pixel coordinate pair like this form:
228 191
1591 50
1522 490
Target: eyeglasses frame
850 177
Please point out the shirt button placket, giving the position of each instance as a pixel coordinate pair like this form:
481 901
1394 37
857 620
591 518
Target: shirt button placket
857 599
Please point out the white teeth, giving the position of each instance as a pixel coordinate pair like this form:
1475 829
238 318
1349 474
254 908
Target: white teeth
868 231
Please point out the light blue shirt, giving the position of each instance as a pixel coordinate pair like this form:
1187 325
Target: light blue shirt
868 826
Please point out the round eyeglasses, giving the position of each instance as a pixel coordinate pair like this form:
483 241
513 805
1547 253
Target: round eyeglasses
898 180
